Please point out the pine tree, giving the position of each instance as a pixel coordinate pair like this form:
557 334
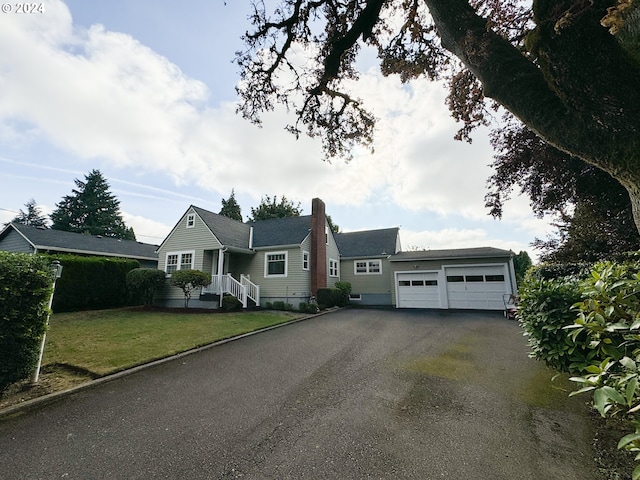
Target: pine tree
33 216
230 207
91 209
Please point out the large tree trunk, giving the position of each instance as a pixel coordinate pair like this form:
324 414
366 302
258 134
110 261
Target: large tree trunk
581 95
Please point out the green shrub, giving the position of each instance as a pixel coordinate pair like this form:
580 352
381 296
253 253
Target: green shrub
143 283
268 305
91 283
231 303
544 312
305 307
591 326
25 290
326 298
609 317
341 294
188 281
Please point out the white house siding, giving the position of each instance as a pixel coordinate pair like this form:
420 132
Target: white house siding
372 289
199 238
14 242
444 267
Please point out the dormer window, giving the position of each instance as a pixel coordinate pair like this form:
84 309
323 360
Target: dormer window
191 220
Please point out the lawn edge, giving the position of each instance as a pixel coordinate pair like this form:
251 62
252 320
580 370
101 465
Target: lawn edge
34 403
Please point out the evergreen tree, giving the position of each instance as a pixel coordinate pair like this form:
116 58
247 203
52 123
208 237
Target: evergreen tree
91 209
230 207
33 216
521 263
271 208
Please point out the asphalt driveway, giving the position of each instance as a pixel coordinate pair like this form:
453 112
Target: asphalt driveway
356 394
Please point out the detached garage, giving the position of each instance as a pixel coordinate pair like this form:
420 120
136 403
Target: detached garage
472 278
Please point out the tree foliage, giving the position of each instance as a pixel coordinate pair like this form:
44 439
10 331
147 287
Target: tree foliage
521 263
566 69
91 209
592 211
272 208
231 208
33 216
188 281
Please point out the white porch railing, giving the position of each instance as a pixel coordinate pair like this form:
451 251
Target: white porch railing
242 290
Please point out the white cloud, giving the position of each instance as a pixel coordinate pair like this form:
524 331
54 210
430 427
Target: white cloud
105 97
455 238
146 230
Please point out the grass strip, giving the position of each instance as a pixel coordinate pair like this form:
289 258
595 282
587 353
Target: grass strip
107 341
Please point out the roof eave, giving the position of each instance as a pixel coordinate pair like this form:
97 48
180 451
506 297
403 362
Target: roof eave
92 252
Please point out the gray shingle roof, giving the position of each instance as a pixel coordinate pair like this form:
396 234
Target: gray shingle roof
369 243
449 254
281 231
58 240
230 232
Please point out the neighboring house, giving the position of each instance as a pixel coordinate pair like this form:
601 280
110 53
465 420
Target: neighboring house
288 259
16 237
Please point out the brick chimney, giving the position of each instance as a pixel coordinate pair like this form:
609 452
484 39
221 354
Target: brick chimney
318 246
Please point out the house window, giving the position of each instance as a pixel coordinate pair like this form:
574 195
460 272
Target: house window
494 278
368 267
305 260
333 267
275 264
179 261
191 220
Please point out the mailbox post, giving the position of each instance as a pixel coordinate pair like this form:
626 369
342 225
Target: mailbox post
56 267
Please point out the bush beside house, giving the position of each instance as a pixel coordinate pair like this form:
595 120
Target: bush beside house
188 281
587 323
91 283
25 289
143 283
334 297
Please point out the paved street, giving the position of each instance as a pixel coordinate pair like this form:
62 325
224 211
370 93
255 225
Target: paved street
356 394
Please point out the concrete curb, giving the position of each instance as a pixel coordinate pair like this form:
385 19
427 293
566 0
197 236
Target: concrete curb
28 405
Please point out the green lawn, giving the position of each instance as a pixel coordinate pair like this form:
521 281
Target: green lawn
107 341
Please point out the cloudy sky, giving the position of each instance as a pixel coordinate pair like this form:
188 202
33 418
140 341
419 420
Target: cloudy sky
144 92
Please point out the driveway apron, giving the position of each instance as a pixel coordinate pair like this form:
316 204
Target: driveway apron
356 394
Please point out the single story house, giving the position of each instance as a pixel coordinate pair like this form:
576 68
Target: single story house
289 259
16 237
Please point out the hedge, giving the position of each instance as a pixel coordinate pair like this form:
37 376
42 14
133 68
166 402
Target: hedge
25 289
588 324
91 283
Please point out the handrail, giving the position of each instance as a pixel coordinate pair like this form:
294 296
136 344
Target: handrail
242 289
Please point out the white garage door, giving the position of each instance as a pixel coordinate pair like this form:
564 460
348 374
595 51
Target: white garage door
418 290
479 288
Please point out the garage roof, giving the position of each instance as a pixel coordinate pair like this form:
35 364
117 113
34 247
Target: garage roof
451 254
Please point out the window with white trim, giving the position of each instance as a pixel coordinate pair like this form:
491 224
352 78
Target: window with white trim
191 220
367 267
275 264
305 260
333 267
179 261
